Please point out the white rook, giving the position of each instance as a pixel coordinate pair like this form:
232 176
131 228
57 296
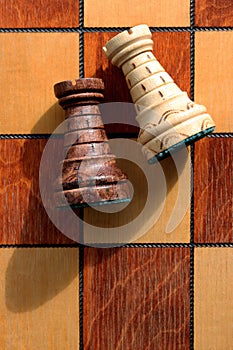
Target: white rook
166 116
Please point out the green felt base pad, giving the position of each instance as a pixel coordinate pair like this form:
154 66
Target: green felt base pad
186 142
95 204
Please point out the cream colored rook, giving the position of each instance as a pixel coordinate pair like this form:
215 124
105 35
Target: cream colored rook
166 116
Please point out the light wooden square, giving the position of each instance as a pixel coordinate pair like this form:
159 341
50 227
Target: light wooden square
30 64
214 75
213 298
176 206
113 13
153 215
39 298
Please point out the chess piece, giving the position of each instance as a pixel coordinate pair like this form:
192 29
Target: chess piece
90 174
166 116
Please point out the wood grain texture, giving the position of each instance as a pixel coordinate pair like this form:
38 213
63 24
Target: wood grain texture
213 13
213 193
38 299
213 298
171 49
139 298
30 64
213 87
113 13
146 219
23 219
39 13
174 208
97 65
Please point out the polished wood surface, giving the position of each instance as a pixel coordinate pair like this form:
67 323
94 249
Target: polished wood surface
97 65
171 49
213 192
213 298
30 64
213 13
38 294
113 13
23 219
139 297
39 13
158 231
136 298
213 76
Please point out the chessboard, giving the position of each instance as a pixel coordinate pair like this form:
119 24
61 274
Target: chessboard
165 286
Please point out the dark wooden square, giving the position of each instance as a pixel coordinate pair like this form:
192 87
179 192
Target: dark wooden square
136 298
213 190
171 49
23 219
39 13
213 13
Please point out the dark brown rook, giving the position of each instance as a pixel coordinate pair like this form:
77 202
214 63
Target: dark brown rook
90 174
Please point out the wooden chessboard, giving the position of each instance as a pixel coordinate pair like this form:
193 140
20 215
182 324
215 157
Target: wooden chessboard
160 291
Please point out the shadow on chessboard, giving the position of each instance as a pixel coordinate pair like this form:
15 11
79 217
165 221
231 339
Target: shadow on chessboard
35 276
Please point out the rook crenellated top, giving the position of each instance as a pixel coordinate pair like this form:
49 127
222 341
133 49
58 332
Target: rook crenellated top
165 113
128 44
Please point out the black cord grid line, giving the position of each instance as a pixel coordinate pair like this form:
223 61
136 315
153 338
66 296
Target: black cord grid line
82 29
116 135
81 250
192 249
128 245
192 245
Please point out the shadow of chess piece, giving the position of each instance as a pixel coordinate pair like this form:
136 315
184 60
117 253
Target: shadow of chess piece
90 173
168 119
